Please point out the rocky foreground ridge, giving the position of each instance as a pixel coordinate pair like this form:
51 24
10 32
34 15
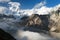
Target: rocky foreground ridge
5 36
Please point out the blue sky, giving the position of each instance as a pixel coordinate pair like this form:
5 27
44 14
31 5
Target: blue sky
51 3
28 4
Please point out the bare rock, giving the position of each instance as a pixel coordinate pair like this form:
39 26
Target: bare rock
5 36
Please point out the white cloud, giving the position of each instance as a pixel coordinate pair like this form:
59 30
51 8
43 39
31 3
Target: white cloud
35 9
32 35
43 10
40 9
56 7
14 6
40 4
27 12
5 0
2 9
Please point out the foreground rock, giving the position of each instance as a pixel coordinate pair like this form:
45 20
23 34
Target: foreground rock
5 36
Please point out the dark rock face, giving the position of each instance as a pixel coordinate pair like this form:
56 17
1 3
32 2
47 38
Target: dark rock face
36 22
5 36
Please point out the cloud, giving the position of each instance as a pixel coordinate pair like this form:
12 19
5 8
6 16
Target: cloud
40 9
5 0
37 9
2 9
43 10
40 4
56 7
28 12
14 6
34 10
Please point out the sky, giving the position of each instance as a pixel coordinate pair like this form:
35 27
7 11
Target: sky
28 4
28 7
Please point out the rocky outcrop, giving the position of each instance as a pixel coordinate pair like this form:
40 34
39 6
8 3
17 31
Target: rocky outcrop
5 36
36 22
39 23
55 21
54 24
